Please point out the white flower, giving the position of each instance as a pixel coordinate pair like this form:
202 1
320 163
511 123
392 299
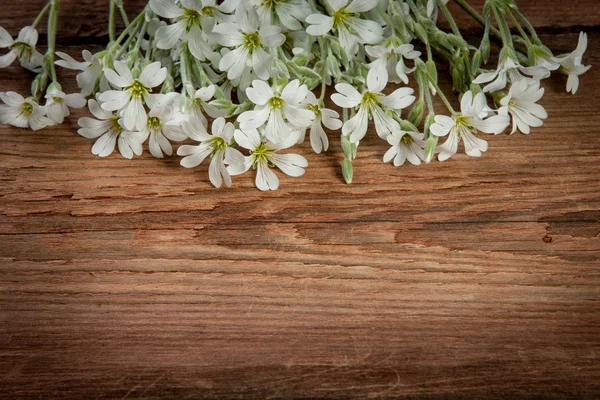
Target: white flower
191 20
217 146
196 105
520 103
288 13
392 59
23 48
58 103
135 92
263 154
405 146
108 129
372 103
160 132
571 64
275 109
21 112
91 69
249 39
464 125
323 117
345 20
508 71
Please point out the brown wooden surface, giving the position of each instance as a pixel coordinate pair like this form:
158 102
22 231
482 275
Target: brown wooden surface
473 278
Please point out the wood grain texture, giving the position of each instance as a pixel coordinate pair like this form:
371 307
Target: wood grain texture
473 278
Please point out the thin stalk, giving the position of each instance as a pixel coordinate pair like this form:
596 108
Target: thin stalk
441 94
504 29
41 14
111 21
528 24
123 14
519 28
52 24
471 11
127 30
449 17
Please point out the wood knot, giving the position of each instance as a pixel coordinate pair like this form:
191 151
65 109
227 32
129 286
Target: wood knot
547 239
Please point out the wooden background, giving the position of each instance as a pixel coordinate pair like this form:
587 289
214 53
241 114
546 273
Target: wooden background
473 278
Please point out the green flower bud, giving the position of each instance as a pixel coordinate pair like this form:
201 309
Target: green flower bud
485 49
430 145
432 70
476 61
416 114
347 170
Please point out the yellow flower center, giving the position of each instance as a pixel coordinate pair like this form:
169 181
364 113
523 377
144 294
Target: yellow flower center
275 103
209 11
370 99
114 123
27 108
314 109
191 17
341 18
261 154
251 40
154 123
137 89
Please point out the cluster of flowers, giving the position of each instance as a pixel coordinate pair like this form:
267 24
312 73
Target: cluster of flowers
253 67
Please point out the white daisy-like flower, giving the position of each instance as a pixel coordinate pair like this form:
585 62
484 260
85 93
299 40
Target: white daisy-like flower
160 131
109 131
263 155
22 48
508 71
289 13
464 125
217 146
405 146
392 59
282 111
58 103
248 38
21 112
191 20
571 64
372 103
346 22
91 71
323 117
135 92
520 103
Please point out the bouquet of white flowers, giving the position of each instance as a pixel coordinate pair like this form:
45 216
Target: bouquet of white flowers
257 72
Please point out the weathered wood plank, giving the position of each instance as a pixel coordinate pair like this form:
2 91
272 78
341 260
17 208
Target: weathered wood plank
465 279
85 20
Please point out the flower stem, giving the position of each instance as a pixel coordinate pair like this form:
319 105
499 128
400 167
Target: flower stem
530 27
41 15
127 30
111 21
519 28
449 17
471 11
123 14
441 94
504 30
52 24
